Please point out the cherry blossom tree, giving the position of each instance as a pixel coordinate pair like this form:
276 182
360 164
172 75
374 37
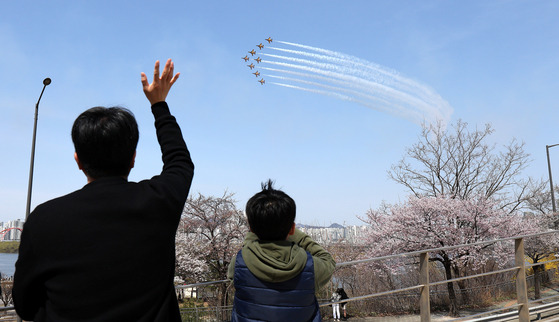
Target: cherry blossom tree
211 231
465 190
190 264
6 286
541 248
440 221
459 163
540 203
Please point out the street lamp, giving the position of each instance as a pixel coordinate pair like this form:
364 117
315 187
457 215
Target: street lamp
46 82
550 177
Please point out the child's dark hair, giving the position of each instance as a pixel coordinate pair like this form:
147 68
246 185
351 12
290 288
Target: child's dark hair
270 213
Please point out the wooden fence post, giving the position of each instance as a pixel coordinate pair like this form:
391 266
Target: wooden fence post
424 300
521 289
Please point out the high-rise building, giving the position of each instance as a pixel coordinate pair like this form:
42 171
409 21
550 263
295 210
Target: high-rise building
336 233
11 230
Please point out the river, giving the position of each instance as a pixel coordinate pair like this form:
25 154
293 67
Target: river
7 264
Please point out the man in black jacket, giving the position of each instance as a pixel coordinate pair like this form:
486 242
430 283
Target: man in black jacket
106 252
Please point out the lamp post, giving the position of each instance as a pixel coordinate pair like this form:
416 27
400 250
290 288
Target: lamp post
551 182
46 82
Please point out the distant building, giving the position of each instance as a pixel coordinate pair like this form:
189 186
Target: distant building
11 230
336 233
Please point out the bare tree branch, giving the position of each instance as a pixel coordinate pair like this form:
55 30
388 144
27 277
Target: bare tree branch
458 162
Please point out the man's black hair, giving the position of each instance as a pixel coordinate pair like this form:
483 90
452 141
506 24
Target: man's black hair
270 213
105 140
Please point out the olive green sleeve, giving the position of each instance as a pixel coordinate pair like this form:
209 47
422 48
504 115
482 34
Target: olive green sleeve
231 268
324 263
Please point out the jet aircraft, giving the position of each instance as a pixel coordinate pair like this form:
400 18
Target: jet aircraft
257 73
246 58
262 81
251 65
260 46
269 39
252 52
258 60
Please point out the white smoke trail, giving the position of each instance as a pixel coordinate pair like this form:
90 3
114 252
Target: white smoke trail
372 73
344 93
390 95
341 83
353 79
316 91
413 115
357 63
422 91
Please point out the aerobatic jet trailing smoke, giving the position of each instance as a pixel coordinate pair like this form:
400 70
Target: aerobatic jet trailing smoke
349 78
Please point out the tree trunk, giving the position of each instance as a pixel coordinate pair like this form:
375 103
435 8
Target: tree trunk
537 281
544 277
461 285
452 303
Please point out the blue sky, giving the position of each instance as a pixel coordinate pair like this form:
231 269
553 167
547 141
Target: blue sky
491 61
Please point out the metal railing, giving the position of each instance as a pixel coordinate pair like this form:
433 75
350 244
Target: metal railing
519 269
522 306
195 314
8 313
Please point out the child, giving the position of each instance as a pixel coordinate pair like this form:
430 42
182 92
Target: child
279 267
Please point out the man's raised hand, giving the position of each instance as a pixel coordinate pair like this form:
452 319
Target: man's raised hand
157 91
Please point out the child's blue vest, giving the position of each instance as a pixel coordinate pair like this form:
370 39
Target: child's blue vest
292 300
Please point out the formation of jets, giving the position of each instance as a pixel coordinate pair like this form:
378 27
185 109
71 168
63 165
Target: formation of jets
258 60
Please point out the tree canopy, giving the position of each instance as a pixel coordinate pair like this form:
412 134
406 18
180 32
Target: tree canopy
459 163
211 231
441 221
